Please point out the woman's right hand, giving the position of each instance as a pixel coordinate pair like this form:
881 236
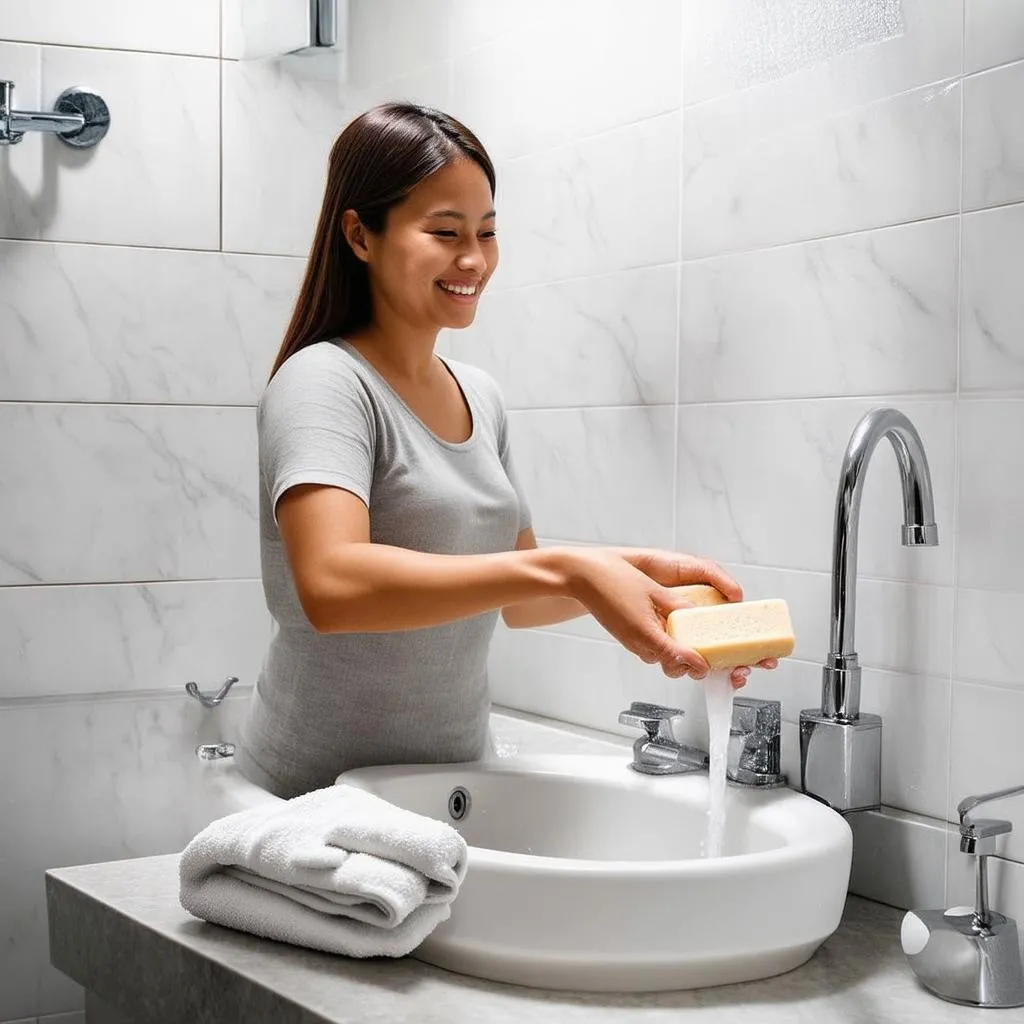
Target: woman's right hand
633 607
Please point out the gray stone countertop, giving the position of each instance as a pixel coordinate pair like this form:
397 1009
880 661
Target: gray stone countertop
118 929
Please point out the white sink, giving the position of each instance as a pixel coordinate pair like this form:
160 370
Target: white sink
586 875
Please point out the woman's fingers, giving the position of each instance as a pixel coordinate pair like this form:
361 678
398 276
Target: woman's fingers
712 573
738 677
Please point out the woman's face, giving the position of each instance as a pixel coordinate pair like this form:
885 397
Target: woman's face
440 238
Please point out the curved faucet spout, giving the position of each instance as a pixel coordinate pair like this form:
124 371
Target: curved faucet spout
840 696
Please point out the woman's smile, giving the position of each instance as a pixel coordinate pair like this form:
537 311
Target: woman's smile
460 296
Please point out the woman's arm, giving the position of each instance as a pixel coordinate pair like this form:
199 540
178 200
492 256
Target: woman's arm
539 611
346 584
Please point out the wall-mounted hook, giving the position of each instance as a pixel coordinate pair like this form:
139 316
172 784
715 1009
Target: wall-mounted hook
210 700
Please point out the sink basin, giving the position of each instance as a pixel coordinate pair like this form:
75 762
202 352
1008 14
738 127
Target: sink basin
586 875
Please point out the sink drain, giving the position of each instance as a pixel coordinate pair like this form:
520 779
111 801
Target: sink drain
458 803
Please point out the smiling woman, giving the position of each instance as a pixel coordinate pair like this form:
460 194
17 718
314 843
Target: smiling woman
393 528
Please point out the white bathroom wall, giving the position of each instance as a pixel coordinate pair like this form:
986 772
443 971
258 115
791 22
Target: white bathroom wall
720 246
139 314
727 242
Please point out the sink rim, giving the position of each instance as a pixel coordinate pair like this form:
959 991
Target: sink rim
826 829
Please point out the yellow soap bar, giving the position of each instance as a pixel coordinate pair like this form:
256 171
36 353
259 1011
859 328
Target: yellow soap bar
700 594
735 633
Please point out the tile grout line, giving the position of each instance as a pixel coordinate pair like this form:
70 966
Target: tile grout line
41 43
220 126
554 282
674 493
954 640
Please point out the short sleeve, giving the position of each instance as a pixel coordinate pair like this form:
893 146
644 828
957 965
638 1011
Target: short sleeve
315 425
505 451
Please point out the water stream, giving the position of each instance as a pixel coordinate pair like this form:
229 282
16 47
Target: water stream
718 693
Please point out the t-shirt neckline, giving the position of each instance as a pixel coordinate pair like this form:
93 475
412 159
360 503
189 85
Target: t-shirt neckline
470 404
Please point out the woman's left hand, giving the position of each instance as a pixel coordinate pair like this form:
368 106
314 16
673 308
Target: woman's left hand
738 676
673 569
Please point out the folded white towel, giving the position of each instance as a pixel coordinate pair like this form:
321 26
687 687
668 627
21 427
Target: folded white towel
338 869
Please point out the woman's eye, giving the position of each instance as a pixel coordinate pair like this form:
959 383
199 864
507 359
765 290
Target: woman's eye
445 234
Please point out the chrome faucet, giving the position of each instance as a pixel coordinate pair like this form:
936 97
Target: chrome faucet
841 747
79 118
966 955
754 757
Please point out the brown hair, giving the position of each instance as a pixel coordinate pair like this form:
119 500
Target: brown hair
374 164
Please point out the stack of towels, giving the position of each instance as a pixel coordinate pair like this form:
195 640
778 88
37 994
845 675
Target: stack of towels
338 869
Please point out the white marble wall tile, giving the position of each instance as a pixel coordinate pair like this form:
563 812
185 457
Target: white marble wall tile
986 754
430 87
473 24
995 33
1005 882
898 859
123 493
140 186
126 637
279 122
756 485
112 324
988 637
819 55
992 345
751 179
389 38
608 340
900 627
188 27
604 204
597 474
915 714
870 313
281 118
625 67
99 781
251 28
994 137
991 554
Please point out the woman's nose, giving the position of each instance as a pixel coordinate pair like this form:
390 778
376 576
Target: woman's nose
472 258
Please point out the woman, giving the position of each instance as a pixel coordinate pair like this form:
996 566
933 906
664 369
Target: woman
393 528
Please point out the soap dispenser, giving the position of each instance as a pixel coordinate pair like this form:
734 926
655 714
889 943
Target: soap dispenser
969 956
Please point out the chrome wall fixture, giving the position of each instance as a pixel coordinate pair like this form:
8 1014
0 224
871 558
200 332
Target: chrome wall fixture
969 955
80 118
323 22
210 700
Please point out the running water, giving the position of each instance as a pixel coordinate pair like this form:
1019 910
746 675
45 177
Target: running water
718 692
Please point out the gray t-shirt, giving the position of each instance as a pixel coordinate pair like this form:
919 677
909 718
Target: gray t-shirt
325 703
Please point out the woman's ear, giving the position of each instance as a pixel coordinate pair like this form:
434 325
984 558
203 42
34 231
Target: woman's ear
355 234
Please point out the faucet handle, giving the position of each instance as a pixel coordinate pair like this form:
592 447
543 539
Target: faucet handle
654 719
978 836
758 726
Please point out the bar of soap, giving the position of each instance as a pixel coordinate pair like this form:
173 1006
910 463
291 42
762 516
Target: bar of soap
700 594
734 633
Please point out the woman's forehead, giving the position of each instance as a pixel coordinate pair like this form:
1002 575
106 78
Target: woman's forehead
460 187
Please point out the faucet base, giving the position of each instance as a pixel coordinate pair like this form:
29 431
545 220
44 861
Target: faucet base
840 762
963 961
